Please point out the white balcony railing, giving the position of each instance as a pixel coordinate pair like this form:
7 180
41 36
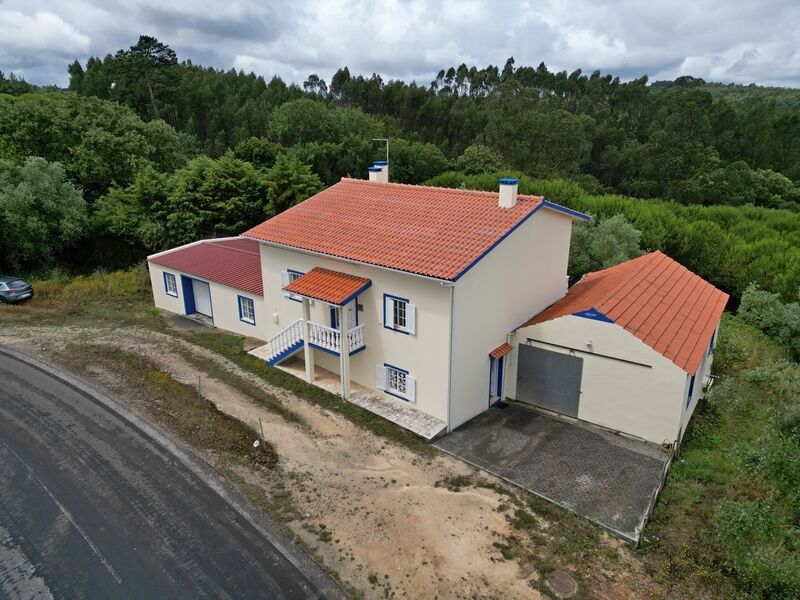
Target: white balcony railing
330 339
320 336
356 337
286 338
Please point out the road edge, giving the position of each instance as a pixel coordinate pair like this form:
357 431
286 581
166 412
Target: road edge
325 584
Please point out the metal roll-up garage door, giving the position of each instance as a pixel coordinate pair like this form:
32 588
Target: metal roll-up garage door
549 379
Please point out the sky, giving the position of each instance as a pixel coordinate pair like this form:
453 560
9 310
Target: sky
741 41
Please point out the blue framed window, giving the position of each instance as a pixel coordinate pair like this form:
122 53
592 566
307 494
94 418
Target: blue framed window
399 314
711 343
170 284
247 310
691 389
287 277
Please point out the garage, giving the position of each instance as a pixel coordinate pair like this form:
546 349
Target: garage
628 348
548 379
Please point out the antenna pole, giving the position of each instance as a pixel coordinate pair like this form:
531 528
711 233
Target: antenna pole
386 140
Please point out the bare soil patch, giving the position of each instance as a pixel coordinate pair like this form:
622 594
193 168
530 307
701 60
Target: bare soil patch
387 519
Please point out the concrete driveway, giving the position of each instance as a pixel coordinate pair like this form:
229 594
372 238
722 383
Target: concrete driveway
597 474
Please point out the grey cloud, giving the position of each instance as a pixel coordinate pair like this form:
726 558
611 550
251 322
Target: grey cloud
733 40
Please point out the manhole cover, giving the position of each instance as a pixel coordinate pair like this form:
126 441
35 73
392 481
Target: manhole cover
562 584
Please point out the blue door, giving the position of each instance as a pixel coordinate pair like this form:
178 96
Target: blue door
495 380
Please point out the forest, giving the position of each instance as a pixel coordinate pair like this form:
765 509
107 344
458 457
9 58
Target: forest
144 152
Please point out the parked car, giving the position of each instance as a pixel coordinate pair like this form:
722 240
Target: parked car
14 289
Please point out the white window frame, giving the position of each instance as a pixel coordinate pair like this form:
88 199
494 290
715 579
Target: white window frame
170 278
247 305
391 306
289 276
396 382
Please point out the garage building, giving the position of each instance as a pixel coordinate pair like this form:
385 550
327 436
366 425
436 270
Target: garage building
628 348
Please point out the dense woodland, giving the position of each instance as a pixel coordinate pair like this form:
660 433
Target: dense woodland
144 152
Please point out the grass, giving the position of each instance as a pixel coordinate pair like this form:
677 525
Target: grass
176 406
232 347
102 298
735 480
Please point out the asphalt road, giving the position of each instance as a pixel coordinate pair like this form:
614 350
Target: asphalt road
94 505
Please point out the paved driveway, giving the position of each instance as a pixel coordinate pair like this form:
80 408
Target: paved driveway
597 474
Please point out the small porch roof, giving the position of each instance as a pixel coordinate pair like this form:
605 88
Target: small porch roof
501 351
332 287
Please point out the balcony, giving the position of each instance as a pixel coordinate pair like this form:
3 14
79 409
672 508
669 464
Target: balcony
290 340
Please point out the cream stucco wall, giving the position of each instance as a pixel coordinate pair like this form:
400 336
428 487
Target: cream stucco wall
645 400
224 303
523 275
425 354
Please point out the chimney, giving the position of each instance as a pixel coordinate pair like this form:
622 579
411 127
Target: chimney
375 174
508 192
383 174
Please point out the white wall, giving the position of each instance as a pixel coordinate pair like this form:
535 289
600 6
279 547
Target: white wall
425 355
643 401
224 303
523 275
697 390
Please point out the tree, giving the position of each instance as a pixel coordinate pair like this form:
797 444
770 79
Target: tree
479 158
99 143
415 162
41 214
261 152
601 244
289 181
315 85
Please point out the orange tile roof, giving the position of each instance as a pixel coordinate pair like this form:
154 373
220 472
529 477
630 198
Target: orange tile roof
438 232
654 297
232 262
501 351
328 286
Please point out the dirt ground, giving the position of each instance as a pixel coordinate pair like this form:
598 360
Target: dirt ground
367 508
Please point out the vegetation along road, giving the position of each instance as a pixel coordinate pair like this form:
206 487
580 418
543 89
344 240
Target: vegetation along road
92 505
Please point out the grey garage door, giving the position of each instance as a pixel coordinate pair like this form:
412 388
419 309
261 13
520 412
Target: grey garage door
548 379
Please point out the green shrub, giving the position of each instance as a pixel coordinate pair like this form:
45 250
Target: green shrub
761 545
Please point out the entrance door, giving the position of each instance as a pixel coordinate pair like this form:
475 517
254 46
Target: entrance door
495 380
549 379
202 297
351 309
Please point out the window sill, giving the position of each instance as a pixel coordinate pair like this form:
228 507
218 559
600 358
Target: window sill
397 329
398 395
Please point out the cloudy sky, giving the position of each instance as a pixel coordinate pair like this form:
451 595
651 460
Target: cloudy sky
722 40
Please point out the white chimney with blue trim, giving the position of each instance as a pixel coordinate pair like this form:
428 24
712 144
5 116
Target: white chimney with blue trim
508 192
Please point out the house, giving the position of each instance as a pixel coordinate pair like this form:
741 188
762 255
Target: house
217 282
628 348
414 296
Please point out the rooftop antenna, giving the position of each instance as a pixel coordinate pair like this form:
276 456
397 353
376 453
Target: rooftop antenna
387 146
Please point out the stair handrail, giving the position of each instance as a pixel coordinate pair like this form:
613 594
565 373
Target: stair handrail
286 338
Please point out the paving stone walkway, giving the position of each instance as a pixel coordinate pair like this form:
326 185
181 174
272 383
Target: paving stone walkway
401 413
406 417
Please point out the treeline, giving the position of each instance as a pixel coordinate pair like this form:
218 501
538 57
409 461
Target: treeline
689 141
730 246
164 160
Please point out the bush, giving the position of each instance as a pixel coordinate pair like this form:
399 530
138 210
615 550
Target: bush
100 284
761 545
770 314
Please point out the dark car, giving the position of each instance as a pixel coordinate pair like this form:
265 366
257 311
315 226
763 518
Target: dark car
14 289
